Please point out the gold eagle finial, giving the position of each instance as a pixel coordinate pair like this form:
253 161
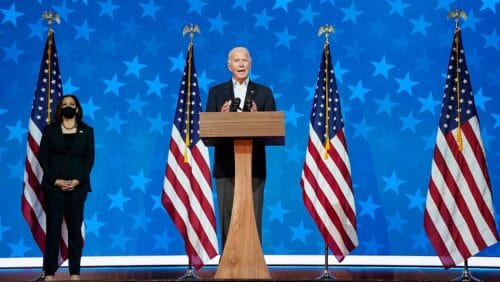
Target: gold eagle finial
191 29
326 29
457 14
50 16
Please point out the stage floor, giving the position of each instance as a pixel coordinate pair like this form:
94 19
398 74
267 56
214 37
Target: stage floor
281 273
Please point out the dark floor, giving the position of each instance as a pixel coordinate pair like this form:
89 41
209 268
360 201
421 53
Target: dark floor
281 273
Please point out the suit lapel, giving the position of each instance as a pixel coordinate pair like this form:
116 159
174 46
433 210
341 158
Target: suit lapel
78 139
229 91
251 90
60 138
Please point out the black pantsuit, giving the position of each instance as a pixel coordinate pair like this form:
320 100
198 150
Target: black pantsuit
65 160
71 206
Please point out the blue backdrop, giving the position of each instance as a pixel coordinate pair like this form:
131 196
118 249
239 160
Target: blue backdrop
124 61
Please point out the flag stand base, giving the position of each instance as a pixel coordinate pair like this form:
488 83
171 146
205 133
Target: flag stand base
466 276
189 275
326 276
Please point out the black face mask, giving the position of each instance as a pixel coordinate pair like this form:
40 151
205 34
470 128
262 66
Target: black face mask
68 112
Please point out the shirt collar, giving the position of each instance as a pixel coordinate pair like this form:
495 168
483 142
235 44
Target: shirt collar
244 83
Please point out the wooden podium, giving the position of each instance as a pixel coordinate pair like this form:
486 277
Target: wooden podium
242 257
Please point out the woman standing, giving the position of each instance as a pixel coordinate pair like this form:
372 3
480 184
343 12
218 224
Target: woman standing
66 157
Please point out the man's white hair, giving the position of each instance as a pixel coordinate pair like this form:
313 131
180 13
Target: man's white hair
238 49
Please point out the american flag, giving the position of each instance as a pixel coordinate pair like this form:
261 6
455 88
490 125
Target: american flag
326 175
459 218
187 188
47 94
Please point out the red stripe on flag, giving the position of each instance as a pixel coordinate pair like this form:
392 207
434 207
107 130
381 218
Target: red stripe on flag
191 213
437 241
330 179
34 225
181 193
463 206
330 241
476 193
326 203
443 210
205 171
334 186
346 174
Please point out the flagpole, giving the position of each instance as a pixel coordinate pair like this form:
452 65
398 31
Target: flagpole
191 29
326 275
50 16
326 30
456 15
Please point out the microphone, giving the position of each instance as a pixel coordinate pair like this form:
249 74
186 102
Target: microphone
248 105
235 105
248 102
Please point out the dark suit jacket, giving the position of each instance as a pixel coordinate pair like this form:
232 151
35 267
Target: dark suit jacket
59 163
224 151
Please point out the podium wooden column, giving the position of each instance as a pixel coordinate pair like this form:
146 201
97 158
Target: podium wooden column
242 257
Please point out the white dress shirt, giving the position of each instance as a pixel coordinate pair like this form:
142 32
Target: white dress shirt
240 91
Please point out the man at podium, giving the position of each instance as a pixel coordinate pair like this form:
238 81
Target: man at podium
239 94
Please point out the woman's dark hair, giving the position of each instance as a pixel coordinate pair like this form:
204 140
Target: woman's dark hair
58 117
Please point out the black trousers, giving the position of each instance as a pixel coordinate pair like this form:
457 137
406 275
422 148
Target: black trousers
225 195
70 205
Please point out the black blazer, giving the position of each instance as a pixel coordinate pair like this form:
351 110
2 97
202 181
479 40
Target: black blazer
224 151
59 163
